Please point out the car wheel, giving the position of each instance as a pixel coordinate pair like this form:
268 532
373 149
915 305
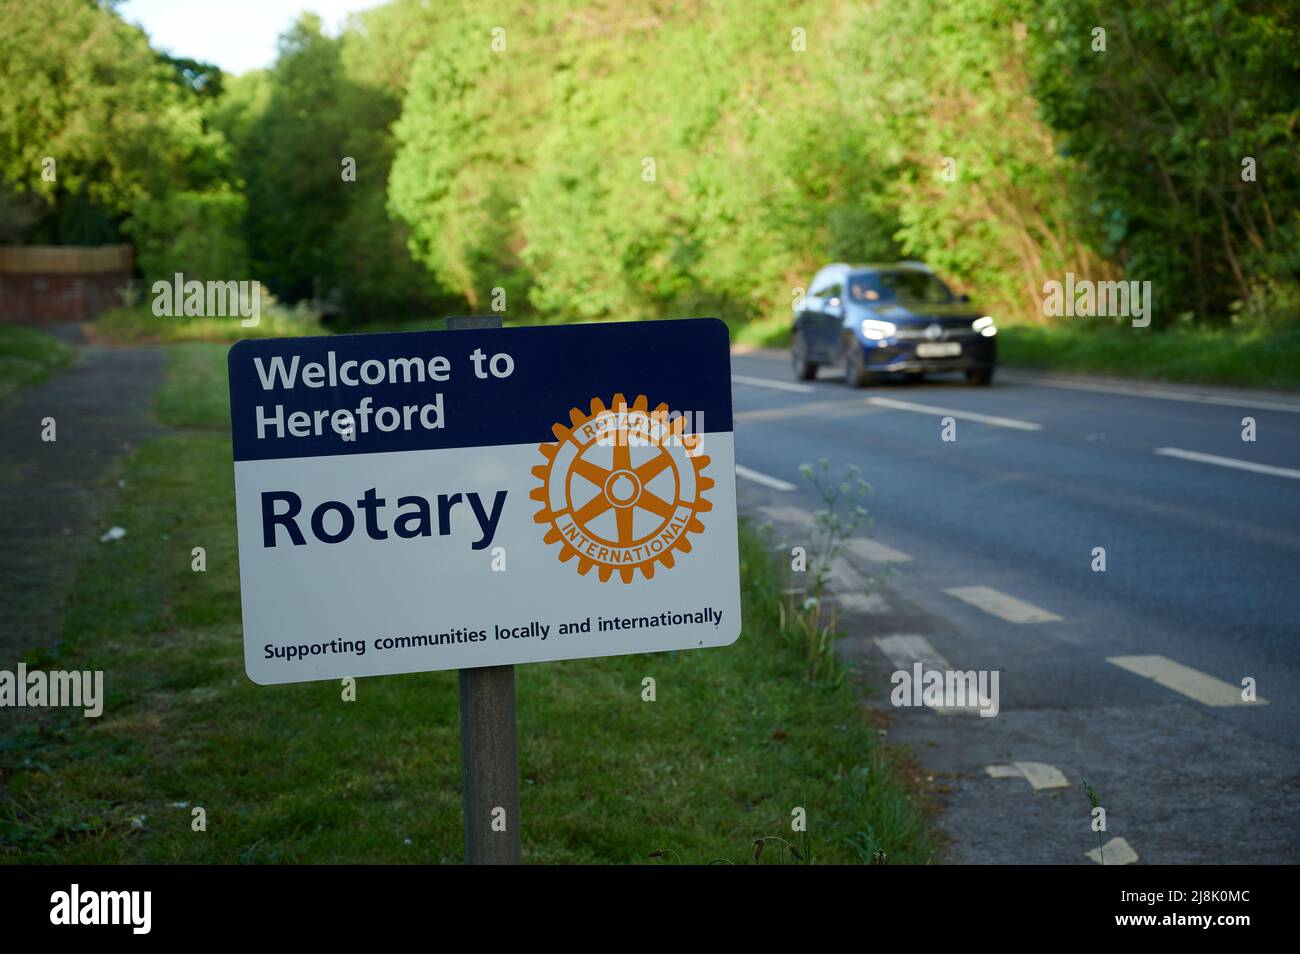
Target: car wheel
855 367
915 377
804 369
980 376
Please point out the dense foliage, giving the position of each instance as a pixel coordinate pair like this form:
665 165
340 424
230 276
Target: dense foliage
1189 152
653 158
95 125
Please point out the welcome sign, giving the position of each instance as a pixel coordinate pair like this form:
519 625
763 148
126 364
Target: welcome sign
454 499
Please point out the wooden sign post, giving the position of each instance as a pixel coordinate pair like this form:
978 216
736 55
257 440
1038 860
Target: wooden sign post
489 757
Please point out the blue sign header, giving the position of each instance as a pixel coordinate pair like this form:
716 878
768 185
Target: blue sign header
424 390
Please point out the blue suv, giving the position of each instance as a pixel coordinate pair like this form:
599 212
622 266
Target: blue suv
878 320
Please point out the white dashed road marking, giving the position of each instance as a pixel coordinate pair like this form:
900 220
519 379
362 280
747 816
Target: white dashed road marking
1183 679
1003 771
846 582
960 415
775 483
874 551
867 603
1039 775
850 588
774 385
781 514
1001 605
844 577
1117 851
1229 462
905 651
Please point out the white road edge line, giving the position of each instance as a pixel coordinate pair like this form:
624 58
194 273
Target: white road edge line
960 415
1163 395
769 383
776 483
1228 462
1185 680
999 604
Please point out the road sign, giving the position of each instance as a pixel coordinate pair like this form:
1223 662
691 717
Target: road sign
457 499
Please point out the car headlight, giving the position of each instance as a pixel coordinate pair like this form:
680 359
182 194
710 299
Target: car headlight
876 330
985 326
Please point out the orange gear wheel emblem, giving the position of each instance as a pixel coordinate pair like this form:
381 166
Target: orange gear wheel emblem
621 488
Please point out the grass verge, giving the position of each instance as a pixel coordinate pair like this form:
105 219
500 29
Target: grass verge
1255 358
772 332
27 356
139 325
736 741
1241 357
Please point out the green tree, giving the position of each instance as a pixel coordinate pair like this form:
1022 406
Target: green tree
313 149
290 161
93 121
197 233
1164 121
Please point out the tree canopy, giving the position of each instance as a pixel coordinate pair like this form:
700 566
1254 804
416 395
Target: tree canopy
645 159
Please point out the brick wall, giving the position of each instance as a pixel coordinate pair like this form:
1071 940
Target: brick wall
42 284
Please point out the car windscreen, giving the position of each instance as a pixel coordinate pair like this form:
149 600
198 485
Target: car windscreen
903 286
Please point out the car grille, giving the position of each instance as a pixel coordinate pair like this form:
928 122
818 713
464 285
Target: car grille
956 331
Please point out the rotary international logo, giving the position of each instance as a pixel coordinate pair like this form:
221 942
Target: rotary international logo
622 487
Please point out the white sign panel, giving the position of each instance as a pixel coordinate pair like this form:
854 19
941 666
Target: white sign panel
448 500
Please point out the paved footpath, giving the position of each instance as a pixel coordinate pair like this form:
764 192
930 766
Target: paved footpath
53 494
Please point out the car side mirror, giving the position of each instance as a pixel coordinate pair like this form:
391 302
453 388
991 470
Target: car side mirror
835 307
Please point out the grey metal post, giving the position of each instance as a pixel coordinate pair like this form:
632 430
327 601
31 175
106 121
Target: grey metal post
489 757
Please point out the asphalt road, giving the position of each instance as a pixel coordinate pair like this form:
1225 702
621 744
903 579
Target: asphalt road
1131 677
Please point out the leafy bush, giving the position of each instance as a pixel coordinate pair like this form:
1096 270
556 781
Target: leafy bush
196 233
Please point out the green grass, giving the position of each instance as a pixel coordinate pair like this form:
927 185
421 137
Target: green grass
27 356
429 322
139 325
1255 358
772 332
195 392
1243 357
736 740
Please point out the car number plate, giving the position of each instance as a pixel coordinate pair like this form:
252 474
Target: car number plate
938 349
